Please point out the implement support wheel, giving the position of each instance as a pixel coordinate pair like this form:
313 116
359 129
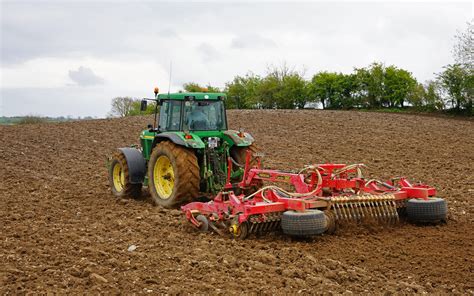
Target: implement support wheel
119 178
431 210
307 223
173 174
240 231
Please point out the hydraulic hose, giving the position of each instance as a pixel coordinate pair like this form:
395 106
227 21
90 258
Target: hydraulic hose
291 194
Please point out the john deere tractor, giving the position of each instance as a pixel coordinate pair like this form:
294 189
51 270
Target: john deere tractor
184 154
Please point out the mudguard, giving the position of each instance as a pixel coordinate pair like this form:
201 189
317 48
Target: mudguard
136 164
178 139
173 137
247 140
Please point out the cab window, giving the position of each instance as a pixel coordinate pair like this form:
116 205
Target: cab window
170 115
204 115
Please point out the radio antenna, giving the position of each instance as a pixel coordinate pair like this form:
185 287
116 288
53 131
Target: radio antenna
169 81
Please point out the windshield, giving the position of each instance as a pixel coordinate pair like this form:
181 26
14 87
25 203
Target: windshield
204 115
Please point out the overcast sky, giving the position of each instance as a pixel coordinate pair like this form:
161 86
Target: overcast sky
71 58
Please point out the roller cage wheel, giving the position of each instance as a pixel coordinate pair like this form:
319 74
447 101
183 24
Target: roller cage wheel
173 174
119 178
432 210
307 223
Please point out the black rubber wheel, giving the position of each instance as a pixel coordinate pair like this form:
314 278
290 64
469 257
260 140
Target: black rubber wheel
119 178
239 154
308 223
434 209
204 223
242 231
331 222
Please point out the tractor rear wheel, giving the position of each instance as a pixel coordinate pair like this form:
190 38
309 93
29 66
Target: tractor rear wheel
173 174
239 154
119 178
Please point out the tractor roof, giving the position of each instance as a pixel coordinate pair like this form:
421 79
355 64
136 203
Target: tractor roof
192 95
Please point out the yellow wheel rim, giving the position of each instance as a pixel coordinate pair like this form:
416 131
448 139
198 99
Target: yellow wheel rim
163 177
118 177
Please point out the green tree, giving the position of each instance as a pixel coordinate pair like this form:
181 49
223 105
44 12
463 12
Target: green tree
192 87
398 84
210 88
196 87
432 99
135 110
346 88
281 88
242 91
370 85
417 96
293 92
267 92
325 88
458 84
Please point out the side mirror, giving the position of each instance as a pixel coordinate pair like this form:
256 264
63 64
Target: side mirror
143 105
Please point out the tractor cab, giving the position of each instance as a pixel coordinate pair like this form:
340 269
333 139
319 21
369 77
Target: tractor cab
190 112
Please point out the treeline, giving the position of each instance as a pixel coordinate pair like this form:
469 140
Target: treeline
33 119
373 87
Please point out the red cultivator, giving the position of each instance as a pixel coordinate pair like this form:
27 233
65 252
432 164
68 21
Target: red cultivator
322 197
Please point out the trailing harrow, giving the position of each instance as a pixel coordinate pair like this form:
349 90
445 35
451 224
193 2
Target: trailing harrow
323 196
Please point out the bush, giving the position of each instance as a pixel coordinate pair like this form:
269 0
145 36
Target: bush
30 119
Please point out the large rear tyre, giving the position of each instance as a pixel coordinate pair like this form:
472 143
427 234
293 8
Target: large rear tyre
427 211
119 178
307 223
173 174
239 154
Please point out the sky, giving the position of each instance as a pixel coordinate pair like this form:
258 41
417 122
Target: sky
70 58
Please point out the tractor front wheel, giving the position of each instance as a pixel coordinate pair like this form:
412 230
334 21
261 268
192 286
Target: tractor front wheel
173 174
119 178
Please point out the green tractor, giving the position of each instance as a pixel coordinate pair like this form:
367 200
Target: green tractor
186 154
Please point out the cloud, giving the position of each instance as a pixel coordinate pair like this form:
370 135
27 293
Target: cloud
252 41
168 33
208 52
85 77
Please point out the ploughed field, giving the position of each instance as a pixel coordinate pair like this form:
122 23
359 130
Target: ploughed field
61 229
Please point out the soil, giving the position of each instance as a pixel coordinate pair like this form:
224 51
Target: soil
62 231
